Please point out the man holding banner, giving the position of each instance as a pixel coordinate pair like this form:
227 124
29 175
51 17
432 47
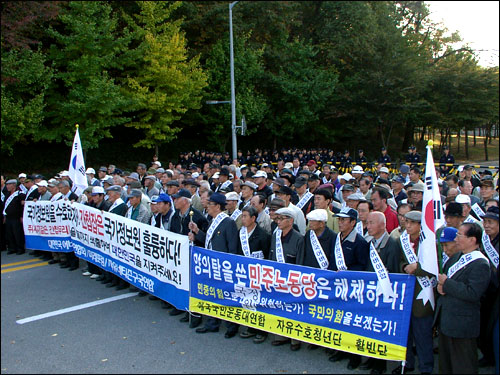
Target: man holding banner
222 235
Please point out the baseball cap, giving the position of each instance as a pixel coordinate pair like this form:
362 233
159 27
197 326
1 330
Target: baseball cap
285 190
116 188
135 193
404 168
43 183
97 190
134 176
22 175
285 211
492 213
384 170
448 234
90 171
260 174
162 198
218 198
300 181
357 169
346 177
348 212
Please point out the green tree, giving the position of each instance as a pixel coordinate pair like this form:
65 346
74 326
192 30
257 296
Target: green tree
161 81
25 79
85 53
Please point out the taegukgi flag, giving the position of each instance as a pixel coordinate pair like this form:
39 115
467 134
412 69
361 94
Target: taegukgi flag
77 166
432 219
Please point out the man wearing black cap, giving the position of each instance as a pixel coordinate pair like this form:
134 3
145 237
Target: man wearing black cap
31 188
285 193
351 252
137 211
384 157
13 214
222 235
412 157
446 158
345 160
361 158
306 198
192 186
224 181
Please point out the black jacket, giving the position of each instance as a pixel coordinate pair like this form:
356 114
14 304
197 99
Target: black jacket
259 240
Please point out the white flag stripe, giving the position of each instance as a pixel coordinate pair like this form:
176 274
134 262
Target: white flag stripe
77 166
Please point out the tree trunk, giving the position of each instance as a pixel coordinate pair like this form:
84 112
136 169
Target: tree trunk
157 152
408 136
422 134
474 136
485 142
274 143
458 141
466 144
441 142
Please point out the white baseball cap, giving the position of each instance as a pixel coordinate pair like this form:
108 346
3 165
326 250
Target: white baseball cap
317 215
346 177
90 171
43 183
232 196
22 175
462 198
260 174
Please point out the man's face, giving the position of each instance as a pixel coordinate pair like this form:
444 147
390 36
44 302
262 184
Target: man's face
212 208
413 228
326 170
363 211
97 198
313 184
101 174
346 193
490 227
11 187
375 226
63 189
396 186
163 207
285 197
378 203
134 201
172 189
296 163
450 248
417 196
231 205
301 190
346 224
260 180
148 183
351 203
414 177
246 219
284 222
486 192
320 202
466 188
255 203
363 186
453 221
246 192
316 225
401 216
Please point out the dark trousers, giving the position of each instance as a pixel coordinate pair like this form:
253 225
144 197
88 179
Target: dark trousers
421 334
14 234
72 259
214 323
485 334
457 356
3 242
93 268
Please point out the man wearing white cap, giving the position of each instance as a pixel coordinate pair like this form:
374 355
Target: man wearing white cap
21 178
318 241
260 178
90 172
149 186
468 214
357 172
286 244
232 201
42 189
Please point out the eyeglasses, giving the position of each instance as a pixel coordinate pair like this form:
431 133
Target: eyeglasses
212 203
281 218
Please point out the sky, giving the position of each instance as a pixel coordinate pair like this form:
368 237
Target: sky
477 23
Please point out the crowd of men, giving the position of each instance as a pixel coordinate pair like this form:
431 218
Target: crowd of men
294 206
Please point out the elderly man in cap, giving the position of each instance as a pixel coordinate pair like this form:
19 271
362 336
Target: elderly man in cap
45 194
254 243
149 186
354 199
13 218
32 192
222 235
397 185
468 214
422 314
260 178
172 187
21 178
286 244
259 202
247 191
404 171
464 279
285 193
306 198
357 172
351 252
164 211
67 194
232 210
192 186
90 172
487 191
344 191
118 206
416 196
322 200
224 181
383 173
137 211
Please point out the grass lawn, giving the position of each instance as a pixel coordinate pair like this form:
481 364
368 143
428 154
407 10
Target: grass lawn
476 153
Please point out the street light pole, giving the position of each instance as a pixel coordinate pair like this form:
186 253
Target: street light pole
233 96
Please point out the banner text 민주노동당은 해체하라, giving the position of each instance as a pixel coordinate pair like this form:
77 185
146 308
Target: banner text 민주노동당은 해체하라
150 258
344 310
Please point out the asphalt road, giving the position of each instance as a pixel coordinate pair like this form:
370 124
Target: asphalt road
130 335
